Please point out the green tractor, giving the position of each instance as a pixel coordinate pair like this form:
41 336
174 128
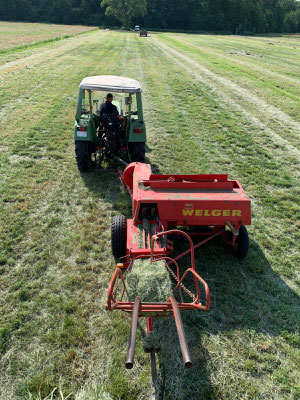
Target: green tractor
120 139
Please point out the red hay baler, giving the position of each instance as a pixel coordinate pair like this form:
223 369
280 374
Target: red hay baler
160 204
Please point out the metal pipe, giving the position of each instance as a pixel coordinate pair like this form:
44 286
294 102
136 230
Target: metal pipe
153 370
119 160
199 244
181 335
149 325
174 232
153 238
132 335
91 105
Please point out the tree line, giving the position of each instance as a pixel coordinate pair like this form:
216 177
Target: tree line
232 16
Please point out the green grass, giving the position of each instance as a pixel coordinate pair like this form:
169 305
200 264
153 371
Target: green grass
56 338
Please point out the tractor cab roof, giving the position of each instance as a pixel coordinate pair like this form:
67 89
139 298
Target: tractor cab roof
111 83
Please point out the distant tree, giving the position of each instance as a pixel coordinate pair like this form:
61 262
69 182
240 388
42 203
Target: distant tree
125 10
292 21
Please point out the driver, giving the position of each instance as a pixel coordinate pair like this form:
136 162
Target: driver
108 108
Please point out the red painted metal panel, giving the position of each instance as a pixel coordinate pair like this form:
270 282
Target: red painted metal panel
199 177
189 185
205 212
203 199
132 243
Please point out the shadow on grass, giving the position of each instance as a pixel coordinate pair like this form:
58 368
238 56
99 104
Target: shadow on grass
104 184
246 296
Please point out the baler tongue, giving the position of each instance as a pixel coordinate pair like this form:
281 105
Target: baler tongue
179 326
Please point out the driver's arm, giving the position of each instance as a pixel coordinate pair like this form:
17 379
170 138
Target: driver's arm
117 113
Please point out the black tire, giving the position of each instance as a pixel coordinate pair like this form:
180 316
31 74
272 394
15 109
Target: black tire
242 243
138 152
118 236
83 155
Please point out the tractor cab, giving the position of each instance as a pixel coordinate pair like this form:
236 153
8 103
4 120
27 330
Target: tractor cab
122 140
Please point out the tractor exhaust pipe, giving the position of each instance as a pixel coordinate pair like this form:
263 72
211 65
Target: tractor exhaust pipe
119 160
181 335
132 335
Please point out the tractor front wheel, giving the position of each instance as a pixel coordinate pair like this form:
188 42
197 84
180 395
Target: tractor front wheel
118 236
83 155
242 243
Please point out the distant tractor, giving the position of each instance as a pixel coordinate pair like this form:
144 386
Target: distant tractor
143 33
119 139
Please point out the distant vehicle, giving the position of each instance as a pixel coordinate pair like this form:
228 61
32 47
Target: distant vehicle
137 28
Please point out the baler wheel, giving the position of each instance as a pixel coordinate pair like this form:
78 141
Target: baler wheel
118 236
83 155
242 243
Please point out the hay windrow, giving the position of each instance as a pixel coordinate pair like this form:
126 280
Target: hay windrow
151 282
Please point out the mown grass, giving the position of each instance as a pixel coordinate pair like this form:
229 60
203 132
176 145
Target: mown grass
17 35
38 44
56 336
281 94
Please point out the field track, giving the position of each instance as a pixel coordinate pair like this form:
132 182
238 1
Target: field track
212 104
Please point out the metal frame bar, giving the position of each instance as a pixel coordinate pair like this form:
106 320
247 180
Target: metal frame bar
132 336
199 244
158 309
181 334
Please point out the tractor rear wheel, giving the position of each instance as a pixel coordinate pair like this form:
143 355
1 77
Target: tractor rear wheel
83 155
118 236
138 152
242 243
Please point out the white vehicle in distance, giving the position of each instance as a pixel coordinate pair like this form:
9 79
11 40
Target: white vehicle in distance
137 28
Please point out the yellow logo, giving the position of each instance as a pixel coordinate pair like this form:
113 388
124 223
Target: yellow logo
212 213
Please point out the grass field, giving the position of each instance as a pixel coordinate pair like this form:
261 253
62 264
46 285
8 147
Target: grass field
14 35
213 104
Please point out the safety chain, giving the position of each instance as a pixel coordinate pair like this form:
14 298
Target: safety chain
187 291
